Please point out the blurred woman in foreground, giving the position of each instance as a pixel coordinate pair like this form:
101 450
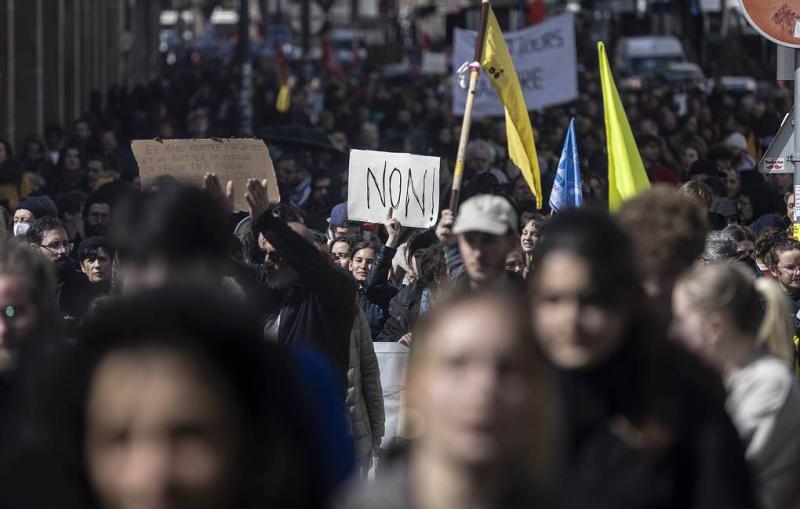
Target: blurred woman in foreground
645 422
172 400
480 411
719 314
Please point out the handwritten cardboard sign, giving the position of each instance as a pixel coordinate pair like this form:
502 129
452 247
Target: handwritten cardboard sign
187 161
406 183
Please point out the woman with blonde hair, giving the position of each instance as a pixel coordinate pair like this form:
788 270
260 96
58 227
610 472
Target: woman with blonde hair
743 327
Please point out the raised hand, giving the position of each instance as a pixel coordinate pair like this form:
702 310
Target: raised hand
256 197
224 197
444 230
393 228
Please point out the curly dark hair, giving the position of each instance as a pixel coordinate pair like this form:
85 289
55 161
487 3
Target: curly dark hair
432 267
668 230
765 241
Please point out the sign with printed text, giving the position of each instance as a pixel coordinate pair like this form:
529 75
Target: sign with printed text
777 157
406 183
187 161
544 58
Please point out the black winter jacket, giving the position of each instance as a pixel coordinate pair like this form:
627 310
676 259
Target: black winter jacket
403 312
318 310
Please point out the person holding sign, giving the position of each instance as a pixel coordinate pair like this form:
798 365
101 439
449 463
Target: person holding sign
478 241
375 289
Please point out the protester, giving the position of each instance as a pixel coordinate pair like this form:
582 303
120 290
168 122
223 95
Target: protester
339 227
70 174
74 292
763 249
668 231
703 194
361 265
70 212
14 185
480 409
169 399
174 232
295 179
752 349
378 290
27 302
530 231
720 247
628 392
342 253
97 213
515 263
784 263
307 301
31 209
95 255
744 238
477 242
418 297
5 220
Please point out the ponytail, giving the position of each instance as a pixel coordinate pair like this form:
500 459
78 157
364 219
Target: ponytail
777 326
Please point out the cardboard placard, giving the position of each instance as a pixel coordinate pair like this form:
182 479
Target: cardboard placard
406 183
187 161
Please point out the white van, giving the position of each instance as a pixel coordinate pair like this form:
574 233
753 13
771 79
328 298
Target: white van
647 55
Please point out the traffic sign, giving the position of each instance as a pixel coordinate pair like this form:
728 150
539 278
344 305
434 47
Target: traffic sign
777 158
777 20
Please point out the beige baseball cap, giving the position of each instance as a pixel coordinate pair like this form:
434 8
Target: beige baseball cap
486 213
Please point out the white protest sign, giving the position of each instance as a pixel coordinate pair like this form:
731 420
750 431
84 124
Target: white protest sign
544 57
407 183
393 364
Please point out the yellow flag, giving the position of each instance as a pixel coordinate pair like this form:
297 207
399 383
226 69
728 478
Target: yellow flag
284 100
626 175
497 63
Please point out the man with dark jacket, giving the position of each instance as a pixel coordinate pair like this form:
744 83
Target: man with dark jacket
74 292
307 300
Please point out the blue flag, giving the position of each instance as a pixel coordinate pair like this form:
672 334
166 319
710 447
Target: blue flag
567 188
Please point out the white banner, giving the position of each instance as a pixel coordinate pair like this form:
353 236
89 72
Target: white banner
393 363
545 60
406 183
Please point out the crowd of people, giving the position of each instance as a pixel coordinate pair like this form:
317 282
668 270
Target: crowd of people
159 348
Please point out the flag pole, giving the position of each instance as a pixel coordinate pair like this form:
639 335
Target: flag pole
467 121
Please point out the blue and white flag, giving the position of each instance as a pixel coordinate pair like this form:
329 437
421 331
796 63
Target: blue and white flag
567 188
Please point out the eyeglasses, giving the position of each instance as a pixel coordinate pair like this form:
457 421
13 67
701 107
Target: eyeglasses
792 269
56 247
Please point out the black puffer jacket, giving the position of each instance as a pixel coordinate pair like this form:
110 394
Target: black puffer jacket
403 312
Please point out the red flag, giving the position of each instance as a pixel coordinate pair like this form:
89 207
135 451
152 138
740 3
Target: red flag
535 12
